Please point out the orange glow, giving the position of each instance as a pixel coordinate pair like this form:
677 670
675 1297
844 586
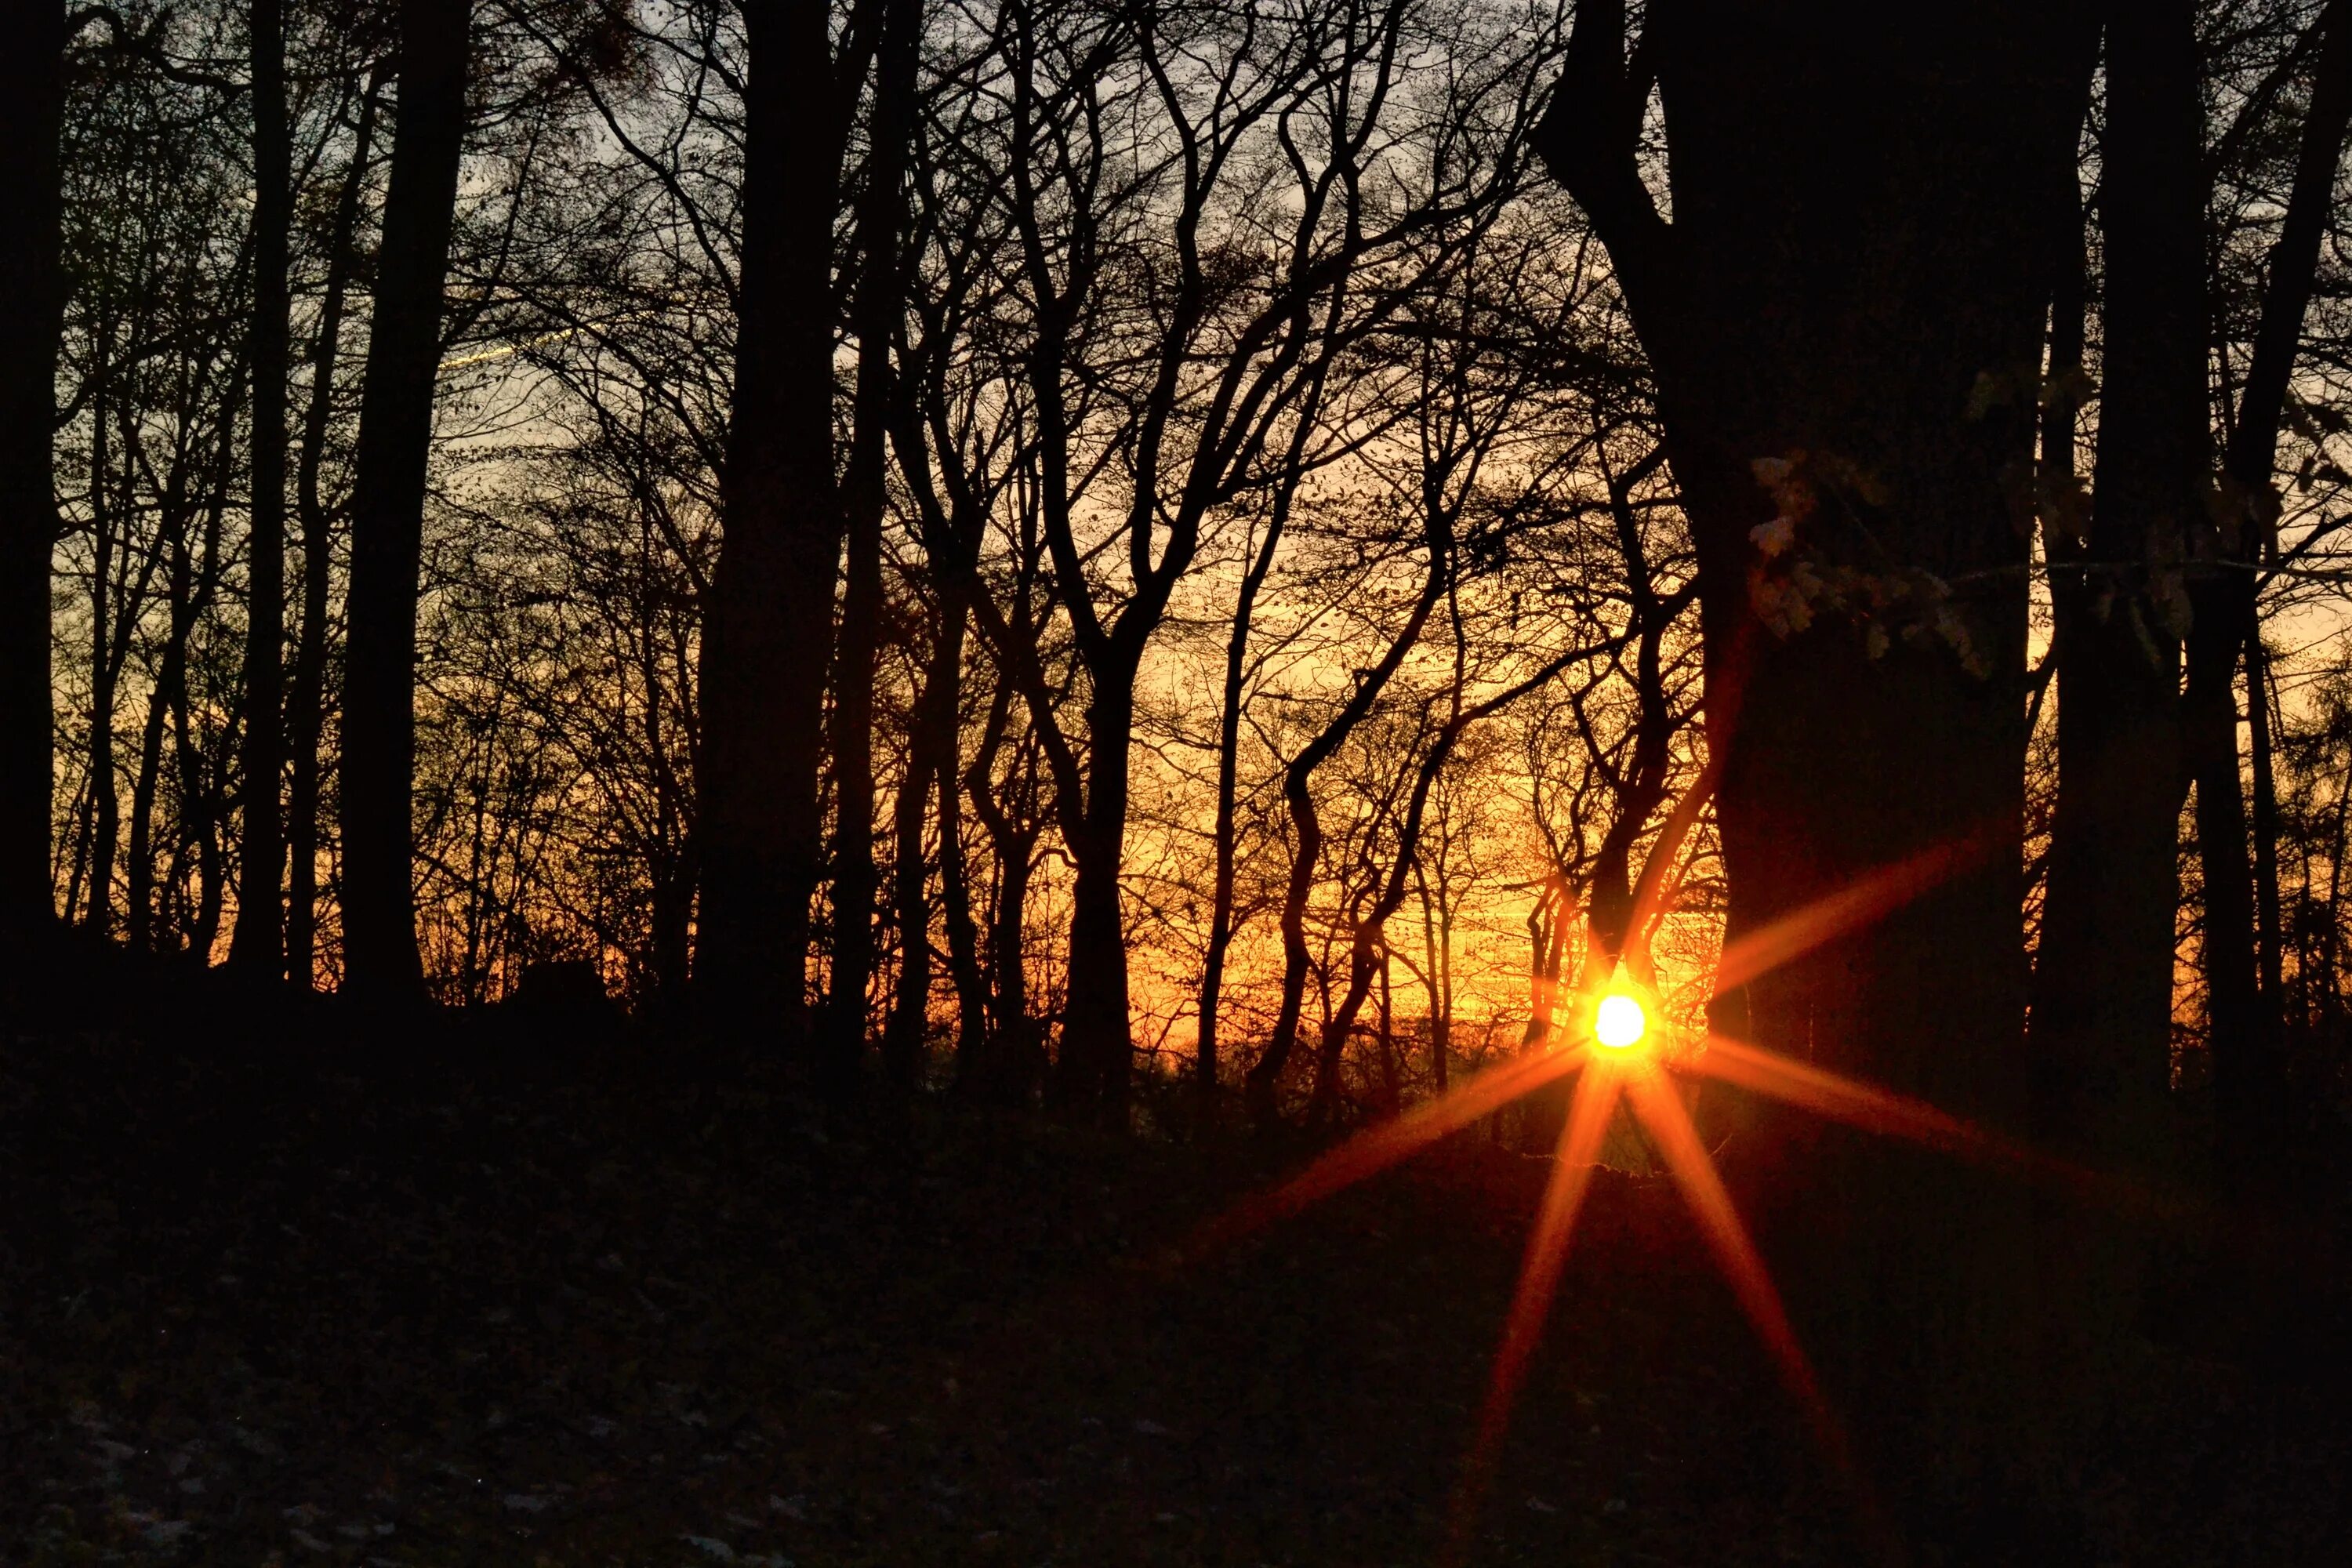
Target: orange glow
1623 1039
1618 1023
1571 1178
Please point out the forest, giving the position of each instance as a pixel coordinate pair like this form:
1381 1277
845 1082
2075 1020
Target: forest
999 643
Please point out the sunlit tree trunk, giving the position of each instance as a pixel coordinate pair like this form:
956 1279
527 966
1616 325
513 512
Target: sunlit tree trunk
395 438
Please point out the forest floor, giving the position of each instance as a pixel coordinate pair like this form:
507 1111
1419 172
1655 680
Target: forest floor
260 1307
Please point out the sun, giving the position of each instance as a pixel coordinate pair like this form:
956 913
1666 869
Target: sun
1618 1023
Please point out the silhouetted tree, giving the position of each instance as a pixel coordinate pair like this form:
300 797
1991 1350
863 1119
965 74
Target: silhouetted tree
379 731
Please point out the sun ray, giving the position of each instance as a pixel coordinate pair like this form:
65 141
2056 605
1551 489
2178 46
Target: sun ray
1386 1143
1688 1160
1874 1110
1571 1178
1866 900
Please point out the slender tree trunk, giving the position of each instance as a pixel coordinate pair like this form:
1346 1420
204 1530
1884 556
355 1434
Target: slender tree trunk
1226 834
964 934
1264 1083
931 753
2265 826
1017 1049
767 626
881 208
164 696
32 92
105 806
308 705
258 943
396 438
2250 1083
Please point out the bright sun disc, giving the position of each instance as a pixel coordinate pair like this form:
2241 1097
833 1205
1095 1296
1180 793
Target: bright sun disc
1618 1022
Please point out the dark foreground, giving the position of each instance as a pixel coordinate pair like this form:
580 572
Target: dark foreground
296 1310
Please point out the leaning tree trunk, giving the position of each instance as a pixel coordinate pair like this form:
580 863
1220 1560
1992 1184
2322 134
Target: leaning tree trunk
258 943
768 623
32 92
396 438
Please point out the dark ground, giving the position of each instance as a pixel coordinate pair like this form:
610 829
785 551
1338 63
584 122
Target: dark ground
279 1304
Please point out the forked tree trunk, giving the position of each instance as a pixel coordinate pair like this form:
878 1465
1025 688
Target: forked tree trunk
396 439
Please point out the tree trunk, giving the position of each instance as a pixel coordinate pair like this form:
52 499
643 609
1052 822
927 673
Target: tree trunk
2250 1085
106 808
1845 317
396 438
964 934
258 944
1225 834
2102 1021
32 90
1094 1071
308 705
767 628
1264 1083
932 751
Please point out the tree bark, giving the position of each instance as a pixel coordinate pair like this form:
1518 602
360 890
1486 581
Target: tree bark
307 707
32 93
258 943
380 952
881 212
1843 317
767 630
1094 1071
2103 1003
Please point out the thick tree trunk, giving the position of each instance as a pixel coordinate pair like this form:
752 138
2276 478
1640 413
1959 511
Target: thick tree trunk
1845 318
32 90
396 438
767 630
2102 1019
307 707
258 944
